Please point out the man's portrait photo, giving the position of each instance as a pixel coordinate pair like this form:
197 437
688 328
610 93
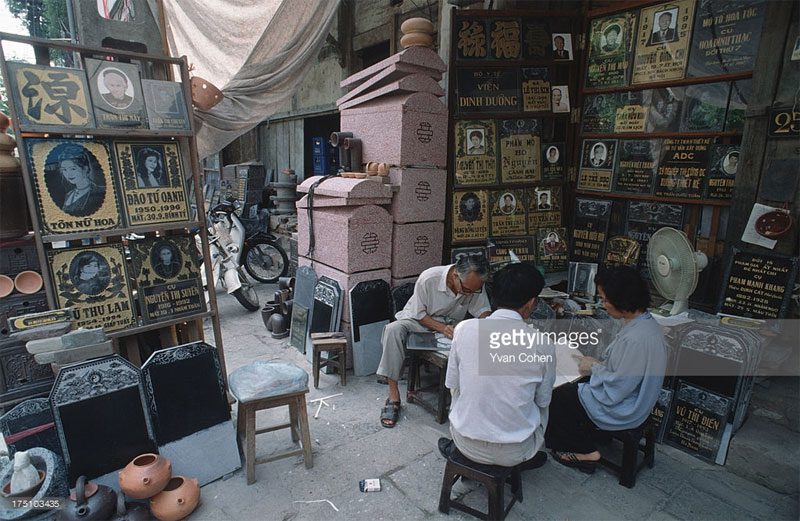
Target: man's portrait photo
507 203
150 172
553 244
562 46
166 260
611 38
89 273
730 163
166 100
552 154
664 27
560 98
598 155
476 142
469 207
543 200
115 88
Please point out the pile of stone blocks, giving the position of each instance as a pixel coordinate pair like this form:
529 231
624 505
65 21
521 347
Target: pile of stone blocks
389 228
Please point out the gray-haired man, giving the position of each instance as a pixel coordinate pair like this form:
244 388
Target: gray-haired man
442 295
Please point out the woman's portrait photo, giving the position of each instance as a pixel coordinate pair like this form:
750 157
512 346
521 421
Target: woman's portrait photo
599 155
89 273
507 203
730 163
74 179
553 244
150 171
611 39
166 260
115 88
543 202
552 155
476 144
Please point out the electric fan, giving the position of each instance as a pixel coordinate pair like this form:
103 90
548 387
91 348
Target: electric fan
674 267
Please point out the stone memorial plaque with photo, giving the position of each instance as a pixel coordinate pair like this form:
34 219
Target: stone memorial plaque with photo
152 178
476 153
470 215
487 90
704 107
758 285
644 218
97 401
50 96
723 164
477 251
166 106
590 229
535 89
682 169
580 279
662 42
611 42
599 111
500 249
726 37
167 273
472 42
559 99
535 39
552 249
741 93
116 89
553 160
303 300
562 47
631 113
544 207
93 281
508 212
74 184
698 422
664 114
520 152
505 39
597 165
636 167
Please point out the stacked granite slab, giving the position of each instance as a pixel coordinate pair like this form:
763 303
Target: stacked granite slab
394 108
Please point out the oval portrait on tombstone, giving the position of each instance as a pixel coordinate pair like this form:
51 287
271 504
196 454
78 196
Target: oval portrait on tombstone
74 179
89 273
166 260
469 207
115 88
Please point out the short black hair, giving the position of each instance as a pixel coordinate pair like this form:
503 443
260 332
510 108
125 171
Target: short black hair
515 284
476 133
624 288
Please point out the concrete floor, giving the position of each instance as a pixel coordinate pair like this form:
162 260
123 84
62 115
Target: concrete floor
349 445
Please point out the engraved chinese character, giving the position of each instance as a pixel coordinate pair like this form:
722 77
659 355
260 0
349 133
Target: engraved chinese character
505 39
62 91
472 40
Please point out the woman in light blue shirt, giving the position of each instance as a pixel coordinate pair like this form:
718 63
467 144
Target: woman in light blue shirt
622 388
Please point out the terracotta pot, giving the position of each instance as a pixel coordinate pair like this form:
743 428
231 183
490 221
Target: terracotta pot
178 499
145 476
417 25
28 282
6 286
204 94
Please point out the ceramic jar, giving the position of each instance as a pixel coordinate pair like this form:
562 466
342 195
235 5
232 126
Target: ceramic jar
145 476
178 499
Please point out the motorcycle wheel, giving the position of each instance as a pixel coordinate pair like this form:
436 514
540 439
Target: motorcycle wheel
265 261
246 295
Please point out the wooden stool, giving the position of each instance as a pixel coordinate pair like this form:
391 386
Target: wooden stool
264 385
631 445
413 395
333 344
492 477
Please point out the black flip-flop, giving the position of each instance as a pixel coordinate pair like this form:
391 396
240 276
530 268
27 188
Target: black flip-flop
587 467
390 413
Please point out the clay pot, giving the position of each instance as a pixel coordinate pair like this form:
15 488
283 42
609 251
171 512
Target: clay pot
178 499
145 476
6 286
204 94
28 282
89 502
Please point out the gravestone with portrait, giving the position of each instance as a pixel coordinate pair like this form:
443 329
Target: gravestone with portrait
610 50
508 212
303 301
552 249
475 153
636 168
116 90
544 207
535 89
553 160
723 163
590 230
166 107
597 165
470 215
665 109
704 107
370 310
662 42
559 99
599 111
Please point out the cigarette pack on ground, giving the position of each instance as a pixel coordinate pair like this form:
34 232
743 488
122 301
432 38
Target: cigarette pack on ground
369 485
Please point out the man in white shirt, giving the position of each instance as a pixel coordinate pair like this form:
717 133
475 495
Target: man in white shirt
499 414
442 296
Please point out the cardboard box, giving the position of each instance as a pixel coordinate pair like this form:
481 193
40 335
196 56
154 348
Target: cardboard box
416 247
420 194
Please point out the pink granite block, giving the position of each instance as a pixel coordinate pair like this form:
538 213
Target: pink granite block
407 280
321 201
346 280
423 58
391 74
348 238
348 188
407 85
420 194
406 130
416 247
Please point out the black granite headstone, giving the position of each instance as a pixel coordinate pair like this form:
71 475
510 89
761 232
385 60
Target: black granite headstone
698 422
30 424
370 310
326 312
101 417
401 295
305 281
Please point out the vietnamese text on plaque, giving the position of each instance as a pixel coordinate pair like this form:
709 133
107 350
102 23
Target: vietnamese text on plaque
476 153
662 44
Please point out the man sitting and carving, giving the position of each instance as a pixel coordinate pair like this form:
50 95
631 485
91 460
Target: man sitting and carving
442 296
